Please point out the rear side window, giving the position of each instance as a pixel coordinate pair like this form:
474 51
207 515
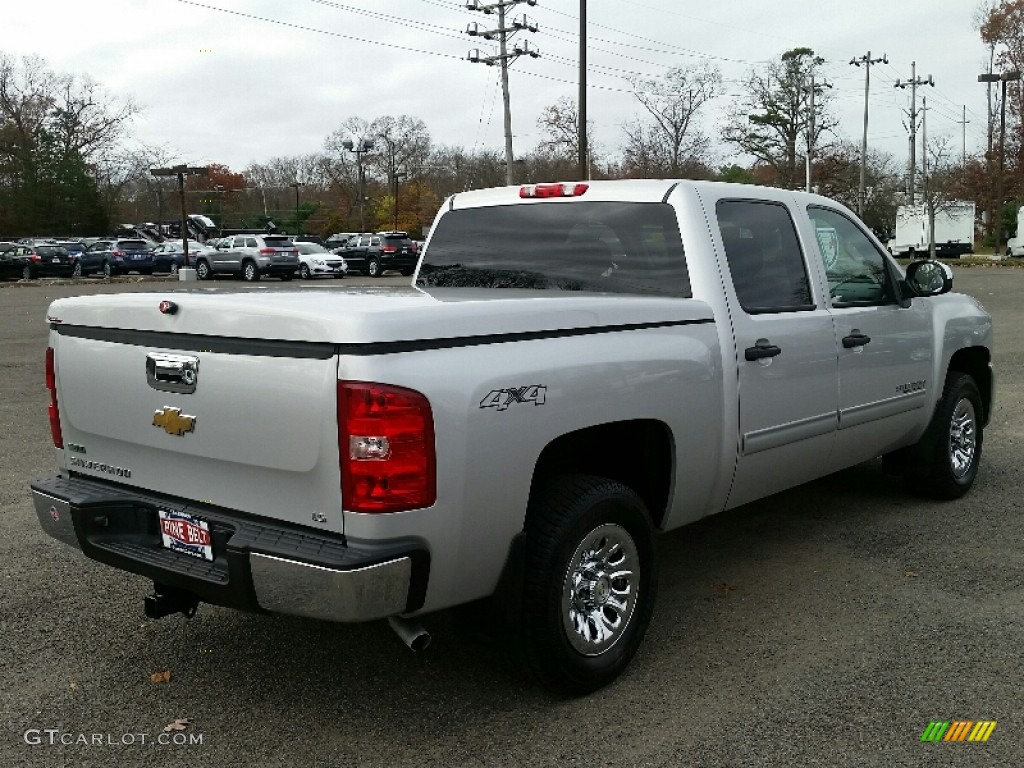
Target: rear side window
764 256
608 247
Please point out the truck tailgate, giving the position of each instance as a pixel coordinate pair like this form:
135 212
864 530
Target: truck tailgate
256 431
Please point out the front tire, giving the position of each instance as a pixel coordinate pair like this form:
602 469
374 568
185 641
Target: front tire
305 273
945 462
589 583
202 270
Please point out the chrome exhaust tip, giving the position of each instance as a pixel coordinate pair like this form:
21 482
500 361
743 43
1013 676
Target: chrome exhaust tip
412 633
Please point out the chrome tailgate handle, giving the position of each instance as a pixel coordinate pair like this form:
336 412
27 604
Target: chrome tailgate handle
172 373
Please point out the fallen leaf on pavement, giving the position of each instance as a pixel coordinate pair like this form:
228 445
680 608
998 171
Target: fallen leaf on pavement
160 677
179 724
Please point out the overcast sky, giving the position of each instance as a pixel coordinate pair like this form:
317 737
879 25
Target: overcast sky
237 81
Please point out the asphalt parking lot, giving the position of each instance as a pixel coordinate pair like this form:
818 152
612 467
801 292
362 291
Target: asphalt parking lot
825 626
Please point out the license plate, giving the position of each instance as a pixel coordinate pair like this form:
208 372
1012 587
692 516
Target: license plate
183 533
139 256
56 260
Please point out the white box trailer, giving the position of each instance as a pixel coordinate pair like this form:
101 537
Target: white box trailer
954 230
1015 245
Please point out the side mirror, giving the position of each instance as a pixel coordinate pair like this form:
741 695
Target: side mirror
928 278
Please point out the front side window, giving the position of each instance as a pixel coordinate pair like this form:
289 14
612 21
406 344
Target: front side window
857 272
764 256
607 247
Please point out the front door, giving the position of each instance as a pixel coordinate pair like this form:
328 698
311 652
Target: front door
786 353
885 348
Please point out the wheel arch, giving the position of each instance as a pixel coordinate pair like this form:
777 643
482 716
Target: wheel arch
974 361
637 453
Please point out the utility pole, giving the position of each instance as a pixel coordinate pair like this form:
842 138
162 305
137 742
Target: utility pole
582 100
867 61
502 34
963 125
811 137
913 83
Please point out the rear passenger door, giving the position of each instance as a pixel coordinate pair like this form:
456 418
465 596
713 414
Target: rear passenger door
786 352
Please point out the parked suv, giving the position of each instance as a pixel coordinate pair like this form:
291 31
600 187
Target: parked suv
114 256
250 257
376 254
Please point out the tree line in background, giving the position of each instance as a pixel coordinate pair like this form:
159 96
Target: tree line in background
66 167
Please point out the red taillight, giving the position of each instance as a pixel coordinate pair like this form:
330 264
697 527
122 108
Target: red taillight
268 251
553 190
386 447
35 257
388 249
51 385
117 254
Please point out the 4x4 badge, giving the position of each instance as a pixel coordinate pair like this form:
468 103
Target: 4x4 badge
173 421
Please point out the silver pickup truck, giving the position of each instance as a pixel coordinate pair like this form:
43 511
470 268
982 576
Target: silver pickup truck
574 369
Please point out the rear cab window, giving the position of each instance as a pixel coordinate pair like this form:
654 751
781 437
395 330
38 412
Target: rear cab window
607 247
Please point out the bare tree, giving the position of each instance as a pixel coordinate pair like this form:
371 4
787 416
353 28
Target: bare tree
670 140
941 189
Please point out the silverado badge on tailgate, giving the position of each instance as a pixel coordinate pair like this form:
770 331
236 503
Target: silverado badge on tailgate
173 421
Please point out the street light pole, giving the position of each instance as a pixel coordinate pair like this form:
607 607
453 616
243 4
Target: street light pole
364 145
181 171
1004 78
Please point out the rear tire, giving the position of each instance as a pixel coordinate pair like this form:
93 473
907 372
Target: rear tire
374 268
408 272
250 273
26 273
589 583
107 272
286 276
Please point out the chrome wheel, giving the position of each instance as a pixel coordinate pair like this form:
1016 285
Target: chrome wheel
962 437
174 268
202 270
77 269
600 588
249 272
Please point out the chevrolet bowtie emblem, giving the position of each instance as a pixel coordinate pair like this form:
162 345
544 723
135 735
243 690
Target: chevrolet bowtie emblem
173 421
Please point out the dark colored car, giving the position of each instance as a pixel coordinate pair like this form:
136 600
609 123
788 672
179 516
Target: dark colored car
75 248
29 261
170 257
376 254
339 240
116 256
